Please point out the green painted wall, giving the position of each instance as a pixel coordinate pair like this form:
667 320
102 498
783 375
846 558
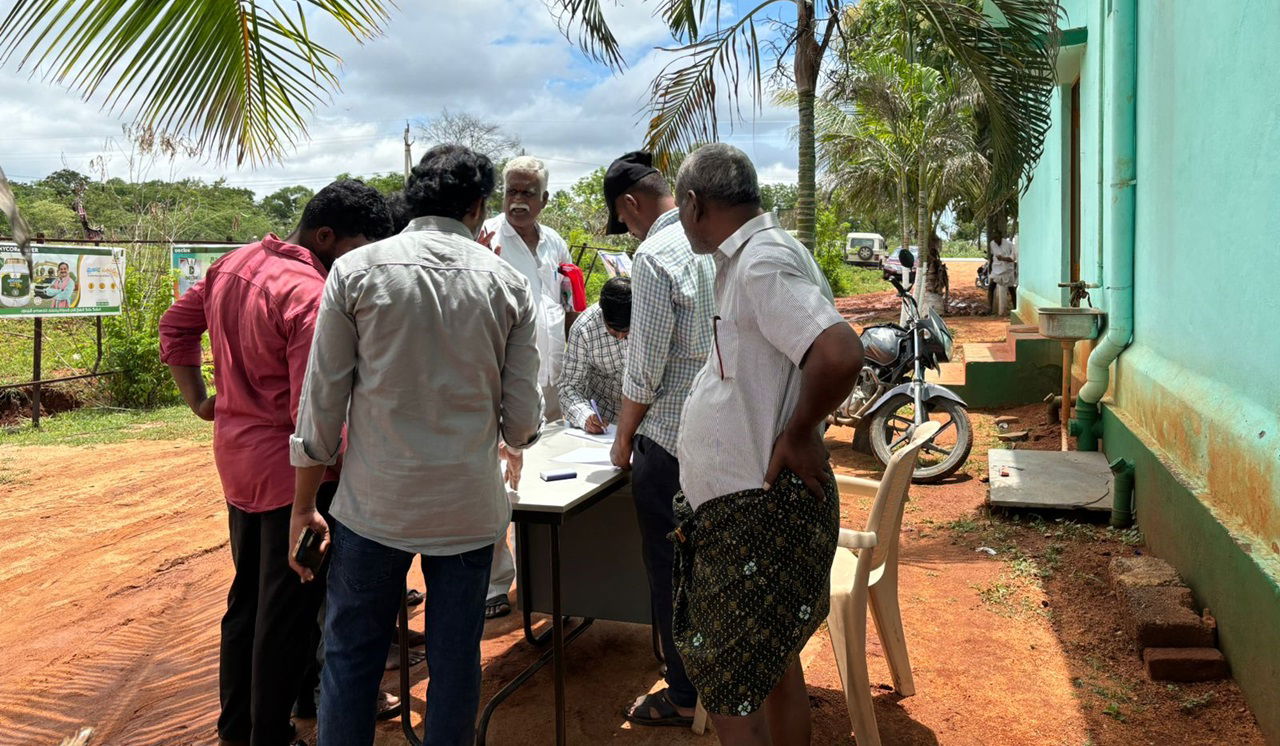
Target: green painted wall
1230 577
1199 384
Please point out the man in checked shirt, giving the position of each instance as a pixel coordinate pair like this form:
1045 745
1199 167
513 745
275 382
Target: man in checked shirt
590 386
673 300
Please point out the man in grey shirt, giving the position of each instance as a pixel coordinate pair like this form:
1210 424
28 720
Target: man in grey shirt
425 349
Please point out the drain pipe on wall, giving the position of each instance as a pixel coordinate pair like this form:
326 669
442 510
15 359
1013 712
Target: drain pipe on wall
1123 109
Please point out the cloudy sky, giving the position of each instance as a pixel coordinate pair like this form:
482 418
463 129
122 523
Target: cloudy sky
502 60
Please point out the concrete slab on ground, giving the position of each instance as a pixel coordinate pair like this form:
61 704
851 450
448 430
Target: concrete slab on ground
1064 480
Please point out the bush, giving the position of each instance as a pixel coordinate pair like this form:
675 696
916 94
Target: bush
132 339
838 274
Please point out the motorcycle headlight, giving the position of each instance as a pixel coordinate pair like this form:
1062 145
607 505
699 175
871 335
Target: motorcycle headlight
928 334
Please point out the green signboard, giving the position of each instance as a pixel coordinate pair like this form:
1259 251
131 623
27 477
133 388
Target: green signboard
61 281
192 262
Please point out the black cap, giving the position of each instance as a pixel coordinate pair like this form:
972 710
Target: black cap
621 176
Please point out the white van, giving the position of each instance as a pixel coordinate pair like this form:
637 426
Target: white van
864 249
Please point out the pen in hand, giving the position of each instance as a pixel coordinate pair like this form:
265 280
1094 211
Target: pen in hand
599 421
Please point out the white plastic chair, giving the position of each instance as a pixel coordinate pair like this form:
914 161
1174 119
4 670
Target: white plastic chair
865 573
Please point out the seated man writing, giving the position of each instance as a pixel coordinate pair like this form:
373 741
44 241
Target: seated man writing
590 386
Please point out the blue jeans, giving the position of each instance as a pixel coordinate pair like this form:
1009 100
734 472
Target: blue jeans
366 580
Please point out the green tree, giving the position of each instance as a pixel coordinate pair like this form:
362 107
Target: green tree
64 182
53 219
386 183
779 196
1012 64
893 128
284 205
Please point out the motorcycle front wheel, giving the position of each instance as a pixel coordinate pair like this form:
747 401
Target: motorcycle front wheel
891 427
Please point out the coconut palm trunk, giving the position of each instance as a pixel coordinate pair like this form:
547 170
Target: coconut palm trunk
807 64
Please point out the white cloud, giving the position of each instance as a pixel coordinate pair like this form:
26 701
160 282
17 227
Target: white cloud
505 62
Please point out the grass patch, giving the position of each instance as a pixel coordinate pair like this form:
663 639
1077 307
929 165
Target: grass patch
100 426
968 249
68 345
11 476
859 281
1192 704
999 595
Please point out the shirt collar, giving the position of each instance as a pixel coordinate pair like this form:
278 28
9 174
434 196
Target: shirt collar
508 227
440 225
271 242
665 219
762 222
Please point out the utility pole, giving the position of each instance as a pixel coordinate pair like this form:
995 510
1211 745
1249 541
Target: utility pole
408 158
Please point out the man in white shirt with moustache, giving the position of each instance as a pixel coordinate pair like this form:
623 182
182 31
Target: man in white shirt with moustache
535 251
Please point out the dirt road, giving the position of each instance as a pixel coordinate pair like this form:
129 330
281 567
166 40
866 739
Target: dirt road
114 569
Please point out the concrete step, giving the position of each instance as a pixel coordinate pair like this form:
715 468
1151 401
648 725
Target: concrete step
951 375
989 352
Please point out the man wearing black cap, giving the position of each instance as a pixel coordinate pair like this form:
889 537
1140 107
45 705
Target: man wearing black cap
672 303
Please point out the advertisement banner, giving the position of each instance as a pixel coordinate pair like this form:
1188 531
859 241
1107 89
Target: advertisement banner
61 281
192 262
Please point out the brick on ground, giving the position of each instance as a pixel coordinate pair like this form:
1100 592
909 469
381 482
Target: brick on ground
1185 664
1162 617
1142 571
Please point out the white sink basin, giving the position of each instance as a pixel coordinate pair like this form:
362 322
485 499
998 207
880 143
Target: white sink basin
1070 323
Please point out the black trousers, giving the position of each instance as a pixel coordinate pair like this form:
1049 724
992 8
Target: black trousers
655 480
268 631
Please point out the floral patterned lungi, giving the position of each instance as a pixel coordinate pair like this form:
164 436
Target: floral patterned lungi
752 584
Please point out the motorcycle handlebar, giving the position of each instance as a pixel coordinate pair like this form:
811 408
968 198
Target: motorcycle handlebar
906 295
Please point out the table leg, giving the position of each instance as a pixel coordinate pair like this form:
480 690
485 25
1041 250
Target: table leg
557 632
406 722
483 727
537 639
526 595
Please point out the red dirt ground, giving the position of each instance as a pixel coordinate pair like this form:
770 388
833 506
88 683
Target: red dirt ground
115 569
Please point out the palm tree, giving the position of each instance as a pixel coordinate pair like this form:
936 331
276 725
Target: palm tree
230 75
1012 65
888 127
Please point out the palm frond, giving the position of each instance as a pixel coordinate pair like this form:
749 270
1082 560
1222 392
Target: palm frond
234 77
684 17
684 95
595 38
1013 66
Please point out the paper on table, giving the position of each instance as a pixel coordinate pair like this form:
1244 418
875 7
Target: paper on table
586 456
610 433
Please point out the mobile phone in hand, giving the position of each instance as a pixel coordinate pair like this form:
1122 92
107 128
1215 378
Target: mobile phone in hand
308 553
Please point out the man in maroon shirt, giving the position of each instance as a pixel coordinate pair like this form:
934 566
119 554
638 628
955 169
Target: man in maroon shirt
259 306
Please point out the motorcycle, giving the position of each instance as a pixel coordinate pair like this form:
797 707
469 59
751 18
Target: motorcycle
891 398
983 280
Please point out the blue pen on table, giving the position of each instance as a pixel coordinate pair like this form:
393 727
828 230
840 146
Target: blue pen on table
595 410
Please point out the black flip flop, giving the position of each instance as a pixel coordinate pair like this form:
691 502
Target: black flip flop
660 703
393 659
498 606
414 598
